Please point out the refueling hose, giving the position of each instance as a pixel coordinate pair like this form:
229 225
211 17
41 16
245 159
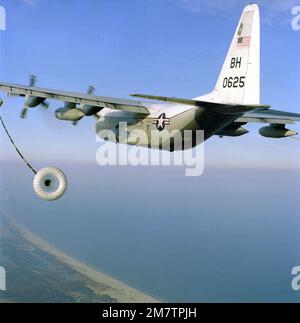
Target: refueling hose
49 183
16 148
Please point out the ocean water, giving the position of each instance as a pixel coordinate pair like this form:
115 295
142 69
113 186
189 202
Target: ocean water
228 235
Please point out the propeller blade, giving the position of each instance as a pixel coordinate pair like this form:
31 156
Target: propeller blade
24 112
32 80
91 90
45 105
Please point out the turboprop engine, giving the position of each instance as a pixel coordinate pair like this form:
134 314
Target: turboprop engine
233 130
87 109
71 112
32 101
276 131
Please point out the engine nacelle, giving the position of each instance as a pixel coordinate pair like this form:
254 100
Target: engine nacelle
233 132
276 131
33 101
90 110
69 114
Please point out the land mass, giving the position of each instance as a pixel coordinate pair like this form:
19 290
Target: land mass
38 272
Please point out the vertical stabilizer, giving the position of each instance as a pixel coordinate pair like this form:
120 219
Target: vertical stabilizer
239 80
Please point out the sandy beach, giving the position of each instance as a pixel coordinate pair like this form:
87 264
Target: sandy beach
115 288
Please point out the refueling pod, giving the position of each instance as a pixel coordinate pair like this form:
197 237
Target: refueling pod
73 114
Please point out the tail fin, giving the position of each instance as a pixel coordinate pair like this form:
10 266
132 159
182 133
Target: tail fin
239 80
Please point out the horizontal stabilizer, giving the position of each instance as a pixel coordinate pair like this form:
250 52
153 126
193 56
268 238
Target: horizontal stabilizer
270 116
218 107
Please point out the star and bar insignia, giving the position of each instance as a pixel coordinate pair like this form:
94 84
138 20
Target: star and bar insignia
161 122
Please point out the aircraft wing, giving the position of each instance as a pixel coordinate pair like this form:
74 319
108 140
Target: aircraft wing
214 106
78 98
270 116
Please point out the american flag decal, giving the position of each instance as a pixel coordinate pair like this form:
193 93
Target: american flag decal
243 41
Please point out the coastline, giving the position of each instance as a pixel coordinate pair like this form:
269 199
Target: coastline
118 290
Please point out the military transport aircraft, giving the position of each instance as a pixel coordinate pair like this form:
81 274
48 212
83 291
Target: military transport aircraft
234 101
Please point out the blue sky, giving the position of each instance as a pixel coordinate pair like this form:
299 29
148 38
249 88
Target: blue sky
168 47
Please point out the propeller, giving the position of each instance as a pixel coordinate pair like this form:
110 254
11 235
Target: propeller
44 104
90 91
